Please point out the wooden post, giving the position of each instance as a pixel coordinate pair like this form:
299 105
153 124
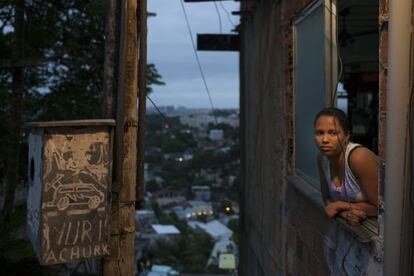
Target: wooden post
112 23
122 261
142 94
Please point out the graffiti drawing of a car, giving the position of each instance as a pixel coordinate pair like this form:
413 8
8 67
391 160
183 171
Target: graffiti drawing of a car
77 194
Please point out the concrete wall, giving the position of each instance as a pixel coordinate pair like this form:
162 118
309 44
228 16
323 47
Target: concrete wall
283 230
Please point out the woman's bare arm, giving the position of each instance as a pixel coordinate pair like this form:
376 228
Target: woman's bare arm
364 166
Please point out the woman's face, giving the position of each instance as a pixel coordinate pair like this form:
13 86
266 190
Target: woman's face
329 136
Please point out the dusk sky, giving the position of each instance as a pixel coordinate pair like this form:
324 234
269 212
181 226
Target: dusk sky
169 48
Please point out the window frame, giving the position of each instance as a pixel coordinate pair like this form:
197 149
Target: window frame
369 231
330 68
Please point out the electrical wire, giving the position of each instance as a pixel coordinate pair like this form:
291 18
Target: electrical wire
227 13
171 126
219 17
198 61
159 111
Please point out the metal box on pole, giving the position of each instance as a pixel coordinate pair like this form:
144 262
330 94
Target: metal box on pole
68 204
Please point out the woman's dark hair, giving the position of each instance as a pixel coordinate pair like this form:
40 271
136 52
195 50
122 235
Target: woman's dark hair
338 114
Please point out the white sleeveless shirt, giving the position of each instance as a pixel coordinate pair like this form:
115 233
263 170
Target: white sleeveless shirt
350 190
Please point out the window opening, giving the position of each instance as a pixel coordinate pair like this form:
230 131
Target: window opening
358 41
342 70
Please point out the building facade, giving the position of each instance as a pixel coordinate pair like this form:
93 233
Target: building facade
289 69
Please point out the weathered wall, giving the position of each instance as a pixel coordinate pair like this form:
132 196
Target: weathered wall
283 231
383 67
264 164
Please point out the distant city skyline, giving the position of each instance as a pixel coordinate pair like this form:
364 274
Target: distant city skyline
169 48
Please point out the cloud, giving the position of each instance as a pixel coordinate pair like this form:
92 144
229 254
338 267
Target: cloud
170 48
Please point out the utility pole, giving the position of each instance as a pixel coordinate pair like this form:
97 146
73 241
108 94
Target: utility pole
121 260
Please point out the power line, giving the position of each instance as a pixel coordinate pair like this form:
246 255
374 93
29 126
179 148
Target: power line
166 119
227 12
193 148
171 126
159 111
198 60
219 17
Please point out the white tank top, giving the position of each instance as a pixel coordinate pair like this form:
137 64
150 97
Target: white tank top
350 190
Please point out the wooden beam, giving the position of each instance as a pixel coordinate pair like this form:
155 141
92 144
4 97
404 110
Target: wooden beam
217 42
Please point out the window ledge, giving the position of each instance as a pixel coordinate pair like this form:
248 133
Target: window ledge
365 232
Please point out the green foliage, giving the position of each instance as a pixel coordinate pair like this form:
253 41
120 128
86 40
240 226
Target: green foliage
201 181
155 123
187 253
210 158
222 112
214 269
172 145
234 225
67 37
152 186
16 254
153 77
169 219
153 157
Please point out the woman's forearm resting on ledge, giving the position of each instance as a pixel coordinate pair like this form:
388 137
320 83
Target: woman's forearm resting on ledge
360 210
348 171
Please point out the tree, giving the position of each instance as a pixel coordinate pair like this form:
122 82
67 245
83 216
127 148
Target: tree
234 225
17 256
152 186
188 252
13 160
68 38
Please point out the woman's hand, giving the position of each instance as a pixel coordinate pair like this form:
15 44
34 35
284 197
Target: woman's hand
353 216
332 209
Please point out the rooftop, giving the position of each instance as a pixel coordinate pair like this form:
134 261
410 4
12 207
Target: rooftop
165 229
